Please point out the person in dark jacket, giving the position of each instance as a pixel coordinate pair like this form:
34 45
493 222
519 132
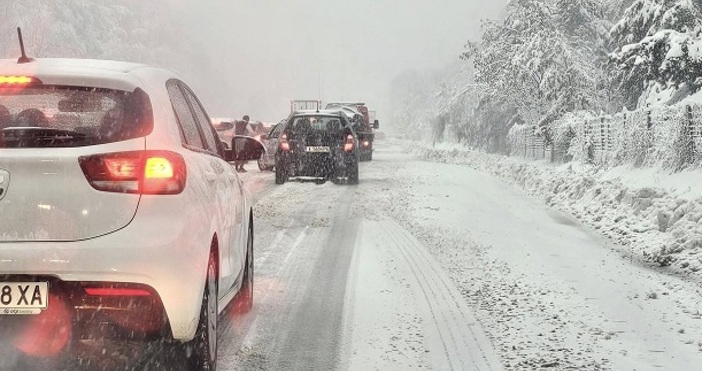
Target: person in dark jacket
240 129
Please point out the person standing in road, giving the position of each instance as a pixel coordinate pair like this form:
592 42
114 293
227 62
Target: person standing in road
240 129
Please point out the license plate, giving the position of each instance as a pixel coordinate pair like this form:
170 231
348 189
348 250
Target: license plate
23 297
317 149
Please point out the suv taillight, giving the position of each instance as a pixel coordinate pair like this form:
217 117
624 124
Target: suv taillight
283 142
145 172
348 146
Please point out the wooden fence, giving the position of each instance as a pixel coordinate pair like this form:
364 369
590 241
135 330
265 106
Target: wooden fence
671 134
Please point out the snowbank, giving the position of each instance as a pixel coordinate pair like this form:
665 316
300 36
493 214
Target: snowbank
653 213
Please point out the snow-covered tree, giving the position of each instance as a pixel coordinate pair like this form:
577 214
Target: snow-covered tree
646 17
129 30
126 30
658 51
614 9
545 58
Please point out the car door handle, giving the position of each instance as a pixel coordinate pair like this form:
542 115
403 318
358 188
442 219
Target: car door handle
210 176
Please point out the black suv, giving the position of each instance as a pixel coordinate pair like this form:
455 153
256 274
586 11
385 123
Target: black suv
318 144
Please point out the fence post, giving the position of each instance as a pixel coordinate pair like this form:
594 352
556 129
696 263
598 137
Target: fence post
602 139
648 120
649 135
690 148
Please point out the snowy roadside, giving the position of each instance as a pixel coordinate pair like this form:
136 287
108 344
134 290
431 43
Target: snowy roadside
653 213
549 293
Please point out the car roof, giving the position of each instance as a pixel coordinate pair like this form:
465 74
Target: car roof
83 72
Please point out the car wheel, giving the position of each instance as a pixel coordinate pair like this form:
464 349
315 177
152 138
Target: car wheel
370 156
352 175
243 303
261 165
201 352
281 176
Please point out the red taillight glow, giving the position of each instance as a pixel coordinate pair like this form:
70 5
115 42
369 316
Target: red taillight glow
145 172
158 168
16 80
348 146
115 291
283 142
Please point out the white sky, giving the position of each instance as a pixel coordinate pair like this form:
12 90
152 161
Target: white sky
269 52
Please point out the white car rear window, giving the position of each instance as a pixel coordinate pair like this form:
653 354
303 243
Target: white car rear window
58 116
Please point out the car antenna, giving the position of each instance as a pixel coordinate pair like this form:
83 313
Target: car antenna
23 58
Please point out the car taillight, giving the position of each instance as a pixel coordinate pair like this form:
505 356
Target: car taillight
348 146
366 143
144 172
283 142
16 80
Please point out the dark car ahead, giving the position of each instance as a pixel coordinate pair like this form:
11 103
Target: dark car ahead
321 144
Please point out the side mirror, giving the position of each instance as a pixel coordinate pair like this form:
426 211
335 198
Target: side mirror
244 149
376 124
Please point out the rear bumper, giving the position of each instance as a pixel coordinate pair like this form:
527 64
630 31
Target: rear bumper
317 165
86 316
154 251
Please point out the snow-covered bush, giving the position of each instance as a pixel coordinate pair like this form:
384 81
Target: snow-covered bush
668 132
568 136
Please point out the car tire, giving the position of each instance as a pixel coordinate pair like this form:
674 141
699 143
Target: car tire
370 156
201 352
281 176
352 175
243 302
261 165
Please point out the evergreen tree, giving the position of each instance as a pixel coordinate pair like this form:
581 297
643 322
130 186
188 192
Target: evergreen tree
658 51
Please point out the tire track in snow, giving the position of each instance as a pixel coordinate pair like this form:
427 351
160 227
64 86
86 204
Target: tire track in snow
463 343
313 340
286 274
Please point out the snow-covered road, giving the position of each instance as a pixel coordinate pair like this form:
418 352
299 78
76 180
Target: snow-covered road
426 265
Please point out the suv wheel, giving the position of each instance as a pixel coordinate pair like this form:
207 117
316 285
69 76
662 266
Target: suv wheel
352 175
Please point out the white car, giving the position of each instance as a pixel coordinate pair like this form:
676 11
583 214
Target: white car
120 214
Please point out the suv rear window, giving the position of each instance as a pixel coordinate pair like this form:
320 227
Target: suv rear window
60 116
306 124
